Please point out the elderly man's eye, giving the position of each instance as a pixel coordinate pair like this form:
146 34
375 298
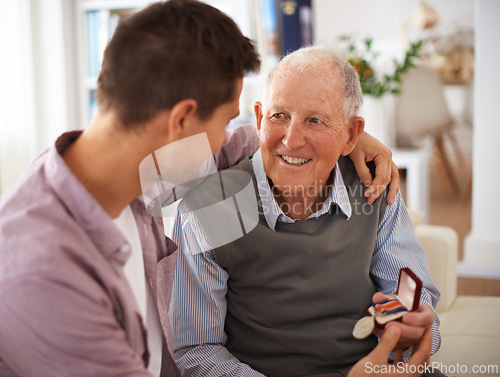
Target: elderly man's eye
315 121
278 116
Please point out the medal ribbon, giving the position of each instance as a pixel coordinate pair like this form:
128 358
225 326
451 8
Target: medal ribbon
390 306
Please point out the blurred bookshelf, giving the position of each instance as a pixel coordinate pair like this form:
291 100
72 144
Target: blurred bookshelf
96 23
263 21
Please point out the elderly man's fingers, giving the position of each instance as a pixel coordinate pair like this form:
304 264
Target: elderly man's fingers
394 185
409 334
422 317
379 297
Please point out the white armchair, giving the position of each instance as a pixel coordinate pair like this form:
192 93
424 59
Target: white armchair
470 325
421 111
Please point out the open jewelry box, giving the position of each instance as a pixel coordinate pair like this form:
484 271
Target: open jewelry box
407 299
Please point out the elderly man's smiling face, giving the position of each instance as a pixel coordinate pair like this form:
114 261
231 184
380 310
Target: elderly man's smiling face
301 129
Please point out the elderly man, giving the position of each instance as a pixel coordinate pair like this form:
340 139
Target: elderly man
283 299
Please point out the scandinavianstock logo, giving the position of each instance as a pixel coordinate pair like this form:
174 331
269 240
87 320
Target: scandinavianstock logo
224 205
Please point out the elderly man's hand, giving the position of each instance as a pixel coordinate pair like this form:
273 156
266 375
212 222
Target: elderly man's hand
413 325
370 149
375 363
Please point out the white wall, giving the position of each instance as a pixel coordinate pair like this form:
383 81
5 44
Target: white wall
17 99
386 21
54 69
37 81
482 247
382 18
389 23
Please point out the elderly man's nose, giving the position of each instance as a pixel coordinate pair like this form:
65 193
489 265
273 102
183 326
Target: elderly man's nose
294 135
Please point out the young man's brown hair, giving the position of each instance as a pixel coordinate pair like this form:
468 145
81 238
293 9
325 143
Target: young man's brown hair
171 51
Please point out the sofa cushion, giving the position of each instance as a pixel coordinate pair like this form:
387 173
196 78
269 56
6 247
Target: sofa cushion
470 332
441 244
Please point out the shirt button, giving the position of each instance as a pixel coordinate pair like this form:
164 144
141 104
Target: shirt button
125 248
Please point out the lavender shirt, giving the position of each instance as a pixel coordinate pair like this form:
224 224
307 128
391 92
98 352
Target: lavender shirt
66 308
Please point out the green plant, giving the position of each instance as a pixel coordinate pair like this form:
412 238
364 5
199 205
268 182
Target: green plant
362 57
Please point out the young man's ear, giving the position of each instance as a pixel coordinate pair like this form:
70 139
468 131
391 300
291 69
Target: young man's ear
356 128
181 119
257 108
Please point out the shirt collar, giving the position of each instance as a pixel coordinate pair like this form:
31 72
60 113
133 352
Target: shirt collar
81 204
337 194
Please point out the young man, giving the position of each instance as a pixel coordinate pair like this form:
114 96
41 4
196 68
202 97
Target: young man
85 268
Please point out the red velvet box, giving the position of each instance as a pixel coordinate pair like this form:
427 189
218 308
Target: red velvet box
408 294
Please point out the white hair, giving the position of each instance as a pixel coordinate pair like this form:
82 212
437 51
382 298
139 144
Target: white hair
310 58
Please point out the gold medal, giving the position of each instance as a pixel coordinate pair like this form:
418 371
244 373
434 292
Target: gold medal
364 327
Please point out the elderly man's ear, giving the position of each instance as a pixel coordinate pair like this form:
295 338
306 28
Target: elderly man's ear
356 128
257 108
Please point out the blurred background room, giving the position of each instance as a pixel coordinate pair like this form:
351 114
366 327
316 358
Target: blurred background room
428 70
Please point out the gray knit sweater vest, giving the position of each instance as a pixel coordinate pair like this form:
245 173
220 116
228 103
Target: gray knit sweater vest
295 294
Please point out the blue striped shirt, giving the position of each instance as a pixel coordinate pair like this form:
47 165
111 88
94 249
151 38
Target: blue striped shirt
198 308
